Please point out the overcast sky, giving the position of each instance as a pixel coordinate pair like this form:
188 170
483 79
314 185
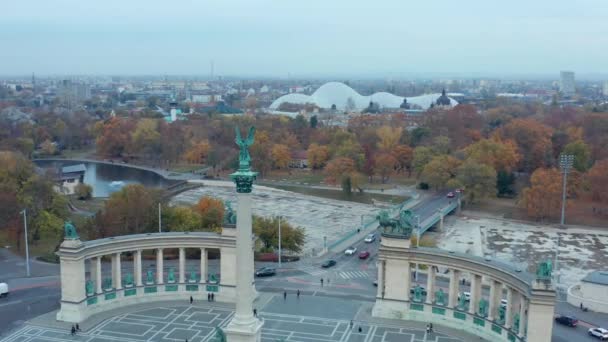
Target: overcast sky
303 37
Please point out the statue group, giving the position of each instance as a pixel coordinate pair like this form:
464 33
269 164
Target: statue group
229 214
398 226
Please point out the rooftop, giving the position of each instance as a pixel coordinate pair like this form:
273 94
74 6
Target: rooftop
74 168
597 277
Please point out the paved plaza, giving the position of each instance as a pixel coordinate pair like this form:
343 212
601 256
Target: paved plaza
307 319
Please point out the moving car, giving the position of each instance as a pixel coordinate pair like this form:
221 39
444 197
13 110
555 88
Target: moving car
566 320
600 333
265 272
328 263
350 250
363 255
370 238
3 289
450 195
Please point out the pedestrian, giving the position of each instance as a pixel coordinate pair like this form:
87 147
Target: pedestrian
360 330
255 312
581 305
431 327
327 281
77 327
428 329
73 330
208 297
213 297
321 282
191 299
298 293
284 295
351 324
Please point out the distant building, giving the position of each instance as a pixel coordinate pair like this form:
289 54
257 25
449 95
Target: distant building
443 100
605 90
299 159
566 83
591 292
72 93
70 177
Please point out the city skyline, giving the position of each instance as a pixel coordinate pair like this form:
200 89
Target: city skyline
309 39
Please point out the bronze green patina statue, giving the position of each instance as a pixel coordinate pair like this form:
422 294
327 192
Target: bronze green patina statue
244 177
129 279
107 284
192 275
418 293
462 302
220 336
439 297
501 314
396 226
171 276
89 287
70 231
229 214
483 308
544 270
149 277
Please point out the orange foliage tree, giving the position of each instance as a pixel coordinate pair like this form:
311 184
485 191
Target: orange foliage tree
317 156
197 154
501 155
385 166
598 180
342 170
211 211
404 156
280 156
543 199
533 140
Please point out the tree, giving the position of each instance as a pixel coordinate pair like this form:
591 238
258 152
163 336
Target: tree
439 171
211 211
479 180
500 155
183 219
146 138
388 137
404 156
314 121
48 147
385 166
267 230
115 137
342 170
581 153
260 150
441 145
598 180
198 152
280 156
504 183
422 156
533 140
317 156
83 191
543 198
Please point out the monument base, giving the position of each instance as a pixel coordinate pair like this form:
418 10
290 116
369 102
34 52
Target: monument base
252 332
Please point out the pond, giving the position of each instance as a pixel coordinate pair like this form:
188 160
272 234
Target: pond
106 179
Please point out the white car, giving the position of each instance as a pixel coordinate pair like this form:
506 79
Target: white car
600 333
3 289
350 250
370 238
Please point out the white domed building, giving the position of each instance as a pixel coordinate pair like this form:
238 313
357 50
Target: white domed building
346 98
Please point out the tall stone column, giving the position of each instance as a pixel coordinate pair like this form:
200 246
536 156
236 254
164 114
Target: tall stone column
509 311
454 286
475 293
495 296
203 265
160 279
137 267
430 284
522 316
244 327
116 272
98 279
182 265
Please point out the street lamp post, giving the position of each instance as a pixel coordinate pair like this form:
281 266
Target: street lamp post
417 242
279 241
565 163
159 220
27 250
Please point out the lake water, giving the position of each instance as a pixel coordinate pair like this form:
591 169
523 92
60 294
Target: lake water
106 179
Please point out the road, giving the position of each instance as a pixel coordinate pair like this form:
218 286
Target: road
351 278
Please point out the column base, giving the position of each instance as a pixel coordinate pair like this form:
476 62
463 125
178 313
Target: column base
72 313
252 332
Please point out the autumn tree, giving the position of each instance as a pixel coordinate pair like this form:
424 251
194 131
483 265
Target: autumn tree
317 156
533 141
404 156
385 166
48 147
439 171
342 171
388 137
422 156
441 145
598 180
183 219
83 191
543 198
260 152
115 137
478 180
500 155
581 153
280 156
211 211
198 152
145 139
267 230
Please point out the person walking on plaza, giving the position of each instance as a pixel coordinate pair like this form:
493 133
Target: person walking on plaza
298 293
351 324
73 331
321 282
255 312
191 299
284 295
212 297
431 327
208 297
77 327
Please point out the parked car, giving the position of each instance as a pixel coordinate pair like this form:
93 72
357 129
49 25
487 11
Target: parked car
370 238
350 250
265 272
450 195
3 289
363 255
566 320
467 296
600 333
328 263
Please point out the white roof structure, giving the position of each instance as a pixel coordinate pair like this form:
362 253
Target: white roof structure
338 93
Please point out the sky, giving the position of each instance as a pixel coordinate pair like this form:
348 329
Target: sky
277 38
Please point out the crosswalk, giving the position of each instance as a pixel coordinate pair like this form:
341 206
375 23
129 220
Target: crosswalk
353 274
313 270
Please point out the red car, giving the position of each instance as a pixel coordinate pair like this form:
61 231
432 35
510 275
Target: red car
363 255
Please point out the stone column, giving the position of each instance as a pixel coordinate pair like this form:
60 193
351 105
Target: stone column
116 272
182 265
522 316
137 267
160 279
454 286
475 293
380 293
204 265
98 279
397 279
509 311
495 296
430 284
73 282
541 310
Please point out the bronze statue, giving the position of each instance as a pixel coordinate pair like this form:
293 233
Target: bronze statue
244 157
